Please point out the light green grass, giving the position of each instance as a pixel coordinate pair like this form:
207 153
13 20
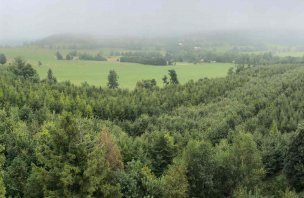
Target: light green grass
95 72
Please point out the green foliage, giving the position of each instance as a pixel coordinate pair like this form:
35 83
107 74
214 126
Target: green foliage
275 185
188 140
173 77
50 77
165 80
96 176
112 80
145 58
230 71
294 161
2 185
290 194
274 146
161 151
2 59
151 183
86 56
239 163
74 55
112 152
23 69
130 180
175 183
16 137
70 163
59 56
139 181
244 193
246 162
146 84
200 163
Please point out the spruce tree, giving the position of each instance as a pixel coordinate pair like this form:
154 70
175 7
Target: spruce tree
112 80
2 59
173 77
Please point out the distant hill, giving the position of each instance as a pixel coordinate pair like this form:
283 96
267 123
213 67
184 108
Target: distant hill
257 38
89 41
65 40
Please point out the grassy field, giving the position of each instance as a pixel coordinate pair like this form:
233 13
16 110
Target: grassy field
95 72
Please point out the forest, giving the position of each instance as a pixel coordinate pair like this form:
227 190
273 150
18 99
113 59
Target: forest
237 136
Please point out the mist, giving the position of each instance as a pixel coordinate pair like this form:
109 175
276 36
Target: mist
34 19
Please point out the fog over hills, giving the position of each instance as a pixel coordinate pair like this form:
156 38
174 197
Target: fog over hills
33 20
231 37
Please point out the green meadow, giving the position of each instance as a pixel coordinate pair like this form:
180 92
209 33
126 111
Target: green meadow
95 72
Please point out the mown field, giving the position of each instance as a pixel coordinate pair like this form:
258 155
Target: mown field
95 72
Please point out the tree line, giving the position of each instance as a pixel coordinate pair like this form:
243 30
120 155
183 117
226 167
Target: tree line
151 58
205 56
81 56
199 56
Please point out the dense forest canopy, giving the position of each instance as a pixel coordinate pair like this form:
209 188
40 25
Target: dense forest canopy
237 136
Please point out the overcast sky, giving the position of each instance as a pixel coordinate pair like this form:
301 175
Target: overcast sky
38 18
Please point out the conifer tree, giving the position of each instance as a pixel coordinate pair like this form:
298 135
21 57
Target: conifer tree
112 80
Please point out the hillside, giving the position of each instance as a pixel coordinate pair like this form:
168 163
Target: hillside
233 135
255 40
